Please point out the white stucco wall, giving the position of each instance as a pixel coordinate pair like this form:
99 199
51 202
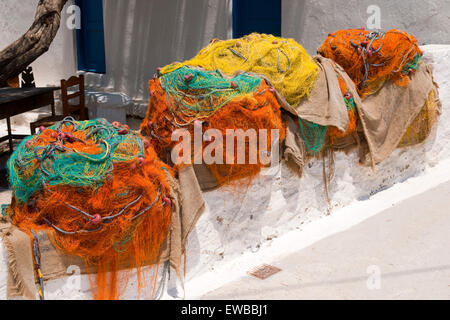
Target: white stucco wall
59 62
310 21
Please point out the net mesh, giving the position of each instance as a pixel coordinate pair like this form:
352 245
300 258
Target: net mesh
101 193
371 58
316 137
185 96
422 125
283 61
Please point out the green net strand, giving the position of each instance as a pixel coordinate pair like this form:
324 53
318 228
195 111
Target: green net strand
313 135
350 103
123 244
4 210
61 165
203 92
414 64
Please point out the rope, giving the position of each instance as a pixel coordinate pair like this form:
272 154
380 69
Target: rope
373 57
37 262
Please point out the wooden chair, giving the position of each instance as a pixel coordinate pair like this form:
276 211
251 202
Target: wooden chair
79 110
27 82
28 78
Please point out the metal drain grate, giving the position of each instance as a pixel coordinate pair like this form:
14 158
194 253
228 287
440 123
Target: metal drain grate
264 271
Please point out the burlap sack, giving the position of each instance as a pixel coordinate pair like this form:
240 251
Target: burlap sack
387 114
384 117
325 105
21 280
294 152
187 207
206 180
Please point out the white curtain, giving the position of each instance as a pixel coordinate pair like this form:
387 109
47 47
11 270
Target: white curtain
142 35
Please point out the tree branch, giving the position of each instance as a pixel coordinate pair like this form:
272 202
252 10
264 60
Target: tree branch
36 41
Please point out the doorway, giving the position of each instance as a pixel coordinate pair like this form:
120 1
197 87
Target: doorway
256 16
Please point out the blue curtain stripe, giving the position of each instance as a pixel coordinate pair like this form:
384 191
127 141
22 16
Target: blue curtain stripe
90 38
256 16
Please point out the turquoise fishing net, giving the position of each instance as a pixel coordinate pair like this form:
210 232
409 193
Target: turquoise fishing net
35 164
412 65
350 104
198 91
313 135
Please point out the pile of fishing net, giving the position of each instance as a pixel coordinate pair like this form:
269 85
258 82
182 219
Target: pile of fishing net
189 98
397 86
371 57
283 61
101 193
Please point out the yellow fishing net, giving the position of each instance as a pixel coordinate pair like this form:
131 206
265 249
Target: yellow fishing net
283 61
421 127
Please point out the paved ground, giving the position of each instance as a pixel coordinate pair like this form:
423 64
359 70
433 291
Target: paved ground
407 245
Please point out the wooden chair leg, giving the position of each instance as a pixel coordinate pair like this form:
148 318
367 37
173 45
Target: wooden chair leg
11 146
83 114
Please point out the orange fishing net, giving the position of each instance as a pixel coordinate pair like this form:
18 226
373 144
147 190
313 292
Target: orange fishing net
334 133
372 58
101 193
244 102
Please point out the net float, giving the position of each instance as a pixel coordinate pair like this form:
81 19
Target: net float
97 219
188 77
167 201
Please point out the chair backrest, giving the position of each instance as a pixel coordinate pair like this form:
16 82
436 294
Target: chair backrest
28 78
69 108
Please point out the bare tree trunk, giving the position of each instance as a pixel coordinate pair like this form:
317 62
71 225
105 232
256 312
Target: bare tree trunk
36 41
